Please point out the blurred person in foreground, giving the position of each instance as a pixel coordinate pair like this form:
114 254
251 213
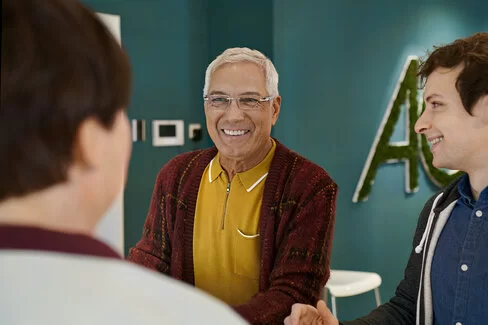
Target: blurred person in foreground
64 148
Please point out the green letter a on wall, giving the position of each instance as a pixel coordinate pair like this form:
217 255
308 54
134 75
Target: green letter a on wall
382 151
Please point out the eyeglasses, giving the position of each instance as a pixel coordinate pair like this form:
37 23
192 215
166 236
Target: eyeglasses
222 102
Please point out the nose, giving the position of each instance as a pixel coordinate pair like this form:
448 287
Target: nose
423 122
233 112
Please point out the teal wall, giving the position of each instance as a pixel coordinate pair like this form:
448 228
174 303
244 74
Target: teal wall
338 63
240 23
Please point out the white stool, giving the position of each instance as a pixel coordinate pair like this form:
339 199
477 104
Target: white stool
350 283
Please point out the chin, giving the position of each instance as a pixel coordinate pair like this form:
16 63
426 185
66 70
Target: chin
444 165
233 154
437 162
231 151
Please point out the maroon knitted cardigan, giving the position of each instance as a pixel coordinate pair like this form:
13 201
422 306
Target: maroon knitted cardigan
296 228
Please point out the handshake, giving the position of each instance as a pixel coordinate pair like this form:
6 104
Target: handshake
308 315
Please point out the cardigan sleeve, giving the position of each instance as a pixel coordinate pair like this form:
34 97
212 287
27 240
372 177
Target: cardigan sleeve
303 246
402 308
154 248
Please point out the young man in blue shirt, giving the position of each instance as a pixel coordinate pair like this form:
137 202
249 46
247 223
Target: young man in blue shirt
446 278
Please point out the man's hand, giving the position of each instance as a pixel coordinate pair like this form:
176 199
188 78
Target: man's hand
308 315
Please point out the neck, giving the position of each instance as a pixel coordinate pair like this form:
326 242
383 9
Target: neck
55 208
233 166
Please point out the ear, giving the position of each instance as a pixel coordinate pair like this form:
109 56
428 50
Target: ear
90 144
276 105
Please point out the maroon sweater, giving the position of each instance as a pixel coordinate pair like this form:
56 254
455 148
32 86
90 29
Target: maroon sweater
30 238
296 228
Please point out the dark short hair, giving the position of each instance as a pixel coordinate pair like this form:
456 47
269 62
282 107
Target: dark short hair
60 65
472 52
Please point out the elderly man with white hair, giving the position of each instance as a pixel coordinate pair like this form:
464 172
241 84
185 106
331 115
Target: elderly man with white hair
248 221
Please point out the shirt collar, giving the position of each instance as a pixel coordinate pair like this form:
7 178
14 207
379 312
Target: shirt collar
464 189
215 169
250 178
484 196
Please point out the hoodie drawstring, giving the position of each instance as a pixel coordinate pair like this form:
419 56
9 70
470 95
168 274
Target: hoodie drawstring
430 221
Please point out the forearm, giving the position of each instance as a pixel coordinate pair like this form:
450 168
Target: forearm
395 312
270 307
145 256
301 266
402 308
154 248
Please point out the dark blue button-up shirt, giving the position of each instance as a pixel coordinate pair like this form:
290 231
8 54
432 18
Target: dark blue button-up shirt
460 265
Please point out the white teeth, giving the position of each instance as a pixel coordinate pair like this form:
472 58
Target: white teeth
436 140
235 132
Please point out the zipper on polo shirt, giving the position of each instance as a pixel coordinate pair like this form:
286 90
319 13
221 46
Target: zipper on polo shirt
225 204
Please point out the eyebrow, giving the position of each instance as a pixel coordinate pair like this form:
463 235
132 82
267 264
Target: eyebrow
430 97
217 92
251 93
247 93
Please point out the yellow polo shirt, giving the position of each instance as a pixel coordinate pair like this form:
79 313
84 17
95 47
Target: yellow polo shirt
226 254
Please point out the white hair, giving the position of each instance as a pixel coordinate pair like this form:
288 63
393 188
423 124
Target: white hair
244 54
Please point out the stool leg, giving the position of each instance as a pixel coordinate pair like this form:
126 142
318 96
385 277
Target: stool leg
377 296
334 308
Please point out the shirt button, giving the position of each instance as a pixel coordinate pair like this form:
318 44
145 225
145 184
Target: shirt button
459 323
464 267
479 213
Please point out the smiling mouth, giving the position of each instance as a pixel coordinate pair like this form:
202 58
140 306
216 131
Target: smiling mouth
435 141
234 133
